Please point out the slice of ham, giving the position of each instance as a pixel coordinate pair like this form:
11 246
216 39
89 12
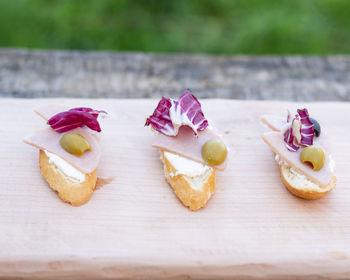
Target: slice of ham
275 141
276 123
49 140
49 110
185 144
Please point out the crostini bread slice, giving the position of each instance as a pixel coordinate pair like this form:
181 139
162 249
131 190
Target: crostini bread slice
194 192
69 190
300 186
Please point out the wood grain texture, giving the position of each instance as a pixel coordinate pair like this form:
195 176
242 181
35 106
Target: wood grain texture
25 73
136 228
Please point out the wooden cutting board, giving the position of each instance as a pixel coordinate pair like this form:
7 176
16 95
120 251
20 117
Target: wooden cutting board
135 228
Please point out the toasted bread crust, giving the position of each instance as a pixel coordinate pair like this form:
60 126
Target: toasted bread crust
306 193
194 199
75 193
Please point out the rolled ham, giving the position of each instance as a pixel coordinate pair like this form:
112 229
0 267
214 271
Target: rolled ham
187 145
49 140
275 141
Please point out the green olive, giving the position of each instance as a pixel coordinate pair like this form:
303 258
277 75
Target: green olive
313 154
214 152
75 143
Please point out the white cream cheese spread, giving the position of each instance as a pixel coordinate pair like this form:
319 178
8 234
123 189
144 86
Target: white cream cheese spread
299 180
302 178
331 163
186 166
279 160
66 168
302 181
196 172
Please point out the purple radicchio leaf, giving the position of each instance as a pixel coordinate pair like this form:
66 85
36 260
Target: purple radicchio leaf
76 117
170 115
307 128
301 132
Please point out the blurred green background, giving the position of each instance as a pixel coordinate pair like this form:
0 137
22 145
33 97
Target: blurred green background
195 26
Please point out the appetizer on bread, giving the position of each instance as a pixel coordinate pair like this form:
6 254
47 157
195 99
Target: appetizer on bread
302 152
190 149
69 151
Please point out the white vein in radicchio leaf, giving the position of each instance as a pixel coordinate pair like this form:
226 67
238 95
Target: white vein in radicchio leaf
76 117
170 115
301 132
